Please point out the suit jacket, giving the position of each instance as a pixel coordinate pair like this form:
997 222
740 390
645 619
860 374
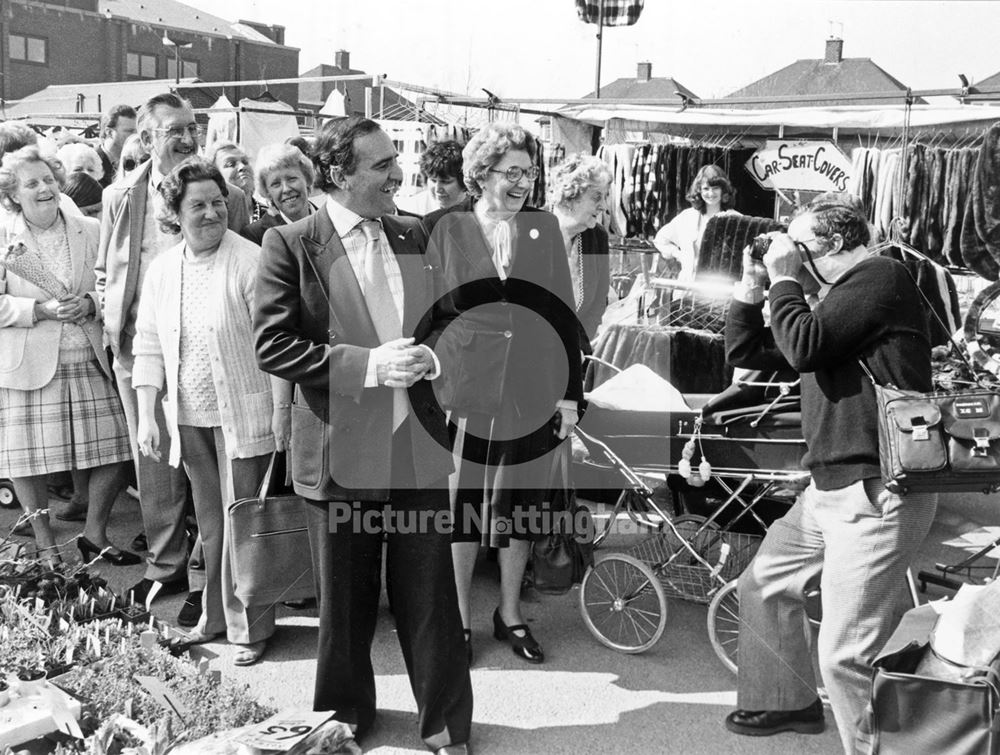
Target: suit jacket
256 230
312 327
596 282
524 357
29 352
117 266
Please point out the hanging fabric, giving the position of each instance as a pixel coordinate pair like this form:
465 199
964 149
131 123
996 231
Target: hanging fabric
614 13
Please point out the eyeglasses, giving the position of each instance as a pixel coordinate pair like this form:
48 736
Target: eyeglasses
515 173
179 132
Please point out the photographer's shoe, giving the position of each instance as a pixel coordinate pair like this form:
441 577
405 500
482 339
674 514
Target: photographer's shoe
764 723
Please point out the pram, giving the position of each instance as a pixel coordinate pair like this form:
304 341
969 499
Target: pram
751 437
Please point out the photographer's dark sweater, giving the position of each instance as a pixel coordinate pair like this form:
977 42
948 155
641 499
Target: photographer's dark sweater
873 312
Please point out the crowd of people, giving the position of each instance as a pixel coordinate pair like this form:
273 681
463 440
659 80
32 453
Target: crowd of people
194 312
419 358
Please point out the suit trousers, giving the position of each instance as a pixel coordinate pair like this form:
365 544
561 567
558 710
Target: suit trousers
858 541
347 561
217 481
162 489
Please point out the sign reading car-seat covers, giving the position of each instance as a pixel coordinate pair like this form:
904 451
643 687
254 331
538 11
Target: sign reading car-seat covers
803 165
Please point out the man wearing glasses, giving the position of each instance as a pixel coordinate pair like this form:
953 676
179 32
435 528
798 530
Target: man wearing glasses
131 238
845 531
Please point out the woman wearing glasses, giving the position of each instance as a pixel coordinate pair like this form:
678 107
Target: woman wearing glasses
511 368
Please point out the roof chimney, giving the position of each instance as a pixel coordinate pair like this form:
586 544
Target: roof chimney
834 50
342 59
644 71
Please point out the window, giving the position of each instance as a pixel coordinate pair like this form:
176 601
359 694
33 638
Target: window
30 49
189 68
140 65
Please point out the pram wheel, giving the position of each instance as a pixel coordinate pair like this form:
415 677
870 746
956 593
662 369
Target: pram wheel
623 603
8 498
724 620
724 624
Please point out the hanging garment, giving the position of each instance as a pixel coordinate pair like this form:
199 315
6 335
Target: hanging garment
614 13
980 239
961 163
938 286
722 244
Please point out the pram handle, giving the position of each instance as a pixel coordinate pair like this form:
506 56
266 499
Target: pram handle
598 360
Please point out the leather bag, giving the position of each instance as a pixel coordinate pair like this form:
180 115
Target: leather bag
912 713
939 442
561 558
269 545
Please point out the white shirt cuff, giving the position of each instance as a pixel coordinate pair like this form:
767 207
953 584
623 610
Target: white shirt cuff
567 404
371 373
436 372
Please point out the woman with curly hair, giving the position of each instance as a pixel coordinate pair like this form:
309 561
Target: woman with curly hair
513 375
58 406
678 241
579 200
224 416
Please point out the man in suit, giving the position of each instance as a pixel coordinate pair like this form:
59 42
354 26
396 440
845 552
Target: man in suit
335 293
131 238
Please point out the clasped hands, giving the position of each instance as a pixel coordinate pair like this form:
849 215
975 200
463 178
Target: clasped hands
67 308
400 364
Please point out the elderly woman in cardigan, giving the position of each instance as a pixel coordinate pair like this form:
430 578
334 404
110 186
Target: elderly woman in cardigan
225 417
58 406
579 200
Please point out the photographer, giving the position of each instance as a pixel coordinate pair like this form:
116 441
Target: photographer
845 529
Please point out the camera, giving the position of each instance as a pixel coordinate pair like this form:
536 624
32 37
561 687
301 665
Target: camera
759 247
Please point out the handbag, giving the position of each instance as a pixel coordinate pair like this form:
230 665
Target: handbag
938 442
269 546
913 713
561 558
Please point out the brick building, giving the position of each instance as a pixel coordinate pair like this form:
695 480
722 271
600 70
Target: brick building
86 41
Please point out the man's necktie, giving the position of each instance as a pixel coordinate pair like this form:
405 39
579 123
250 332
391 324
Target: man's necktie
382 307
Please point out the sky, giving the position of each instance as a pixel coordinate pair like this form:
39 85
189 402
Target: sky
540 49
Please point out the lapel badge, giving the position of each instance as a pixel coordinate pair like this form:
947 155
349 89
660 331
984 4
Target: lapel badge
533 233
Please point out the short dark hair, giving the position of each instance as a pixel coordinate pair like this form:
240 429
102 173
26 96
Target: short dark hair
443 160
712 175
835 212
111 117
167 99
334 147
174 186
301 144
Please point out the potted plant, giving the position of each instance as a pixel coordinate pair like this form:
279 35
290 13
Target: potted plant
30 680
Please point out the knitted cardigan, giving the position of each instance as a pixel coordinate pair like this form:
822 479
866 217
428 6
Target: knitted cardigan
244 392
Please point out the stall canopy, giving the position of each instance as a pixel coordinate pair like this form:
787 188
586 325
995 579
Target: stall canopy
886 120
252 124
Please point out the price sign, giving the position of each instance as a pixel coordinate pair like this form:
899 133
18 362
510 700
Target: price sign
284 730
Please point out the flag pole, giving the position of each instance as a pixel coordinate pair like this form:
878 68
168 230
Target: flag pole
600 36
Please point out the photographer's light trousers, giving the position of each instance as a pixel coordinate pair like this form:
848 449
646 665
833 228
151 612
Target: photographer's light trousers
858 542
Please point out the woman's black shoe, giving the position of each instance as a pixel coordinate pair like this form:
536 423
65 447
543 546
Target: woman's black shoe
524 647
88 551
468 644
